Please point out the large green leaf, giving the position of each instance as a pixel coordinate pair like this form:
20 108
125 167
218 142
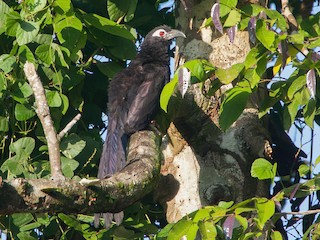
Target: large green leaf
4 8
266 209
7 62
35 6
53 98
72 145
233 18
121 9
69 32
23 112
226 76
23 146
108 26
68 166
26 32
180 229
167 92
45 53
226 6
265 36
232 106
262 169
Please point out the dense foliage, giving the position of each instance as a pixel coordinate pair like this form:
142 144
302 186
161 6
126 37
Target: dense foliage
78 46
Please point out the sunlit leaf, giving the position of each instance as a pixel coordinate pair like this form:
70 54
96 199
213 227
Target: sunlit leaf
167 92
262 169
232 106
233 18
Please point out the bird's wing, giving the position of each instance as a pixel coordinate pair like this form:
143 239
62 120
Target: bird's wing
146 99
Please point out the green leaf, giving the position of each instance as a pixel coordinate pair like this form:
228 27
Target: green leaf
317 160
23 112
265 36
65 103
196 68
26 32
4 9
309 112
303 170
62 6
266 209
70 221
21 91
254 56
118 9
314 44
4 124
276 235
109 68
69 30
72 145
243 221
296 85
35 6
225 205
30 226
232 106
53 98
23 147
226 6
12 23
45 54
226 76
297 38
20 219
275 15
167 92
233 18
262 169
180 229
201 214
108 26
163 234
68 166
7 62
25 54
208 230
26 236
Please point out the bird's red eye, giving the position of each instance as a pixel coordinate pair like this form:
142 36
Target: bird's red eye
161 33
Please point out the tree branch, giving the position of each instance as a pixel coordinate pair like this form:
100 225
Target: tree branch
288 14
69 126
43 112
133 182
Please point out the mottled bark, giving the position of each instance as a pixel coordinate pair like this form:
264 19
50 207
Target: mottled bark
113 194
203 164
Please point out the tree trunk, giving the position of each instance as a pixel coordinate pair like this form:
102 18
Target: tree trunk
204 165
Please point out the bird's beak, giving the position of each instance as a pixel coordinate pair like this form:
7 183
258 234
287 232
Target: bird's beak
174 33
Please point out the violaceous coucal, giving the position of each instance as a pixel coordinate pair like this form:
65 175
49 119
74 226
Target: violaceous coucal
133 98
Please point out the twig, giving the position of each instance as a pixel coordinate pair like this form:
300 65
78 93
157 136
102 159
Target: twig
43 112
300 213
288 14
69 126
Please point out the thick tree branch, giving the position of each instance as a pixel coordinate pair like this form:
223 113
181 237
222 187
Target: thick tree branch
43 112
133 182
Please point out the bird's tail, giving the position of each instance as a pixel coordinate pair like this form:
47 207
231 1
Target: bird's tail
112 160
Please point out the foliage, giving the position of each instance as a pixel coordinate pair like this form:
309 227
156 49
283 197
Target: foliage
77 47
293 97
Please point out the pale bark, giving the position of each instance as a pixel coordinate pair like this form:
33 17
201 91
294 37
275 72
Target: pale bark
113 194
204 165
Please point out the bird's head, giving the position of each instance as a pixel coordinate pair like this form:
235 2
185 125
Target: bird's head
163 33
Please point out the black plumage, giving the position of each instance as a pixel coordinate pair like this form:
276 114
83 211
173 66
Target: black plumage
133 98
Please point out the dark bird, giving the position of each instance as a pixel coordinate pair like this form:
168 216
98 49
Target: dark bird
133 98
